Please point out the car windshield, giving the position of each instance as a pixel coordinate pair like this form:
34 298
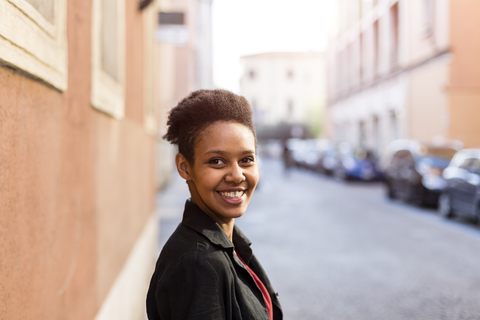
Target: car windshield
440 152
363 154
434 161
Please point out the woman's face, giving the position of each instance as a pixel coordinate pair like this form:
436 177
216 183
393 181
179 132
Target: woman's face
224 173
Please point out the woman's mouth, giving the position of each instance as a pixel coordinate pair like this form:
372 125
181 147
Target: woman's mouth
232 194
233 197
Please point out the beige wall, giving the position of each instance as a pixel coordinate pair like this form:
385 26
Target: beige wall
465 114
428 112
77 186
464 86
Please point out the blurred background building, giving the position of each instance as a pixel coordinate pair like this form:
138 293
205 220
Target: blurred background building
403 69
285 87
85 87
185 63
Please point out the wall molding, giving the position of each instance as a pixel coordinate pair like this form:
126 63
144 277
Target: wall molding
34 45
108 94
126 299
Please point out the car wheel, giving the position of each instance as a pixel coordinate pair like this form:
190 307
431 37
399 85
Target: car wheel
340 175
478 216
445 206
417 195
390 192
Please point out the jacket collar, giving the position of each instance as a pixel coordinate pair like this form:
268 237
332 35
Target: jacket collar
196 219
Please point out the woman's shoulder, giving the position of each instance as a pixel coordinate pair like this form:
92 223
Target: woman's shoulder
186 246
185 240
195 261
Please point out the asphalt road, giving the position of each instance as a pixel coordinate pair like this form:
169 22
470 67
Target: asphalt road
343 251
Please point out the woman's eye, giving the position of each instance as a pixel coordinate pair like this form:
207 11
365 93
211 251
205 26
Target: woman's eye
247 160
216 162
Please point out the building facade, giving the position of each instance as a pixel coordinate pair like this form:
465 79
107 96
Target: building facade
285 87
184 66
84 93
393 69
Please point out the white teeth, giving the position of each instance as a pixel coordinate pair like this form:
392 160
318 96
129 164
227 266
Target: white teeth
232 195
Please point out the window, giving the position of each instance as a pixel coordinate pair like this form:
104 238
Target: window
350 66
376 133
252 74
394 35
402 158
344 70
33 38
465 164
458 159
108 56
290 74
393 126
474 166
429 7
151 113
360 59
289 108
338 71
362 134
376 48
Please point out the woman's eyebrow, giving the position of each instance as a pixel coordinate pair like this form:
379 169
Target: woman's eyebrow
225 152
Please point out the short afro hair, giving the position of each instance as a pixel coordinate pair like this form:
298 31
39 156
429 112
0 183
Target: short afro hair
199 110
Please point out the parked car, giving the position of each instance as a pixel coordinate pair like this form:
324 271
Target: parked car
311 155
304 152
461 195
327 159
326 156
357 163
413 171
296 149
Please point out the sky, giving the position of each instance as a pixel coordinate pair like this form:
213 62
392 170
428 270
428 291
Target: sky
244 27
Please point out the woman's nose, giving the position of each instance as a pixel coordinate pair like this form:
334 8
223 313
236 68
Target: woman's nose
235 174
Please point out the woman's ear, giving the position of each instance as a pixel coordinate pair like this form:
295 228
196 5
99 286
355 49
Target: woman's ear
183 167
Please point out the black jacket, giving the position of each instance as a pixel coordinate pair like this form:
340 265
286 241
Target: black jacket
198 275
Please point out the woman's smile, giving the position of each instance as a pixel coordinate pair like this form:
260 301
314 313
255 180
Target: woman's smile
233 197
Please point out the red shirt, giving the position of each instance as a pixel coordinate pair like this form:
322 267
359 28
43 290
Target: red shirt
261 286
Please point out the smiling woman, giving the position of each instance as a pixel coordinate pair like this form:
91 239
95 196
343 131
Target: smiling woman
224 174
207 270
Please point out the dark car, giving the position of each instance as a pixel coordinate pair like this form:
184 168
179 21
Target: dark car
413 171
323 147
356 163
461 195
327 160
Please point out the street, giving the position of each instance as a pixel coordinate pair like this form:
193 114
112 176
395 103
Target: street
344 251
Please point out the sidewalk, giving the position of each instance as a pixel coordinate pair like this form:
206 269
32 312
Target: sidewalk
169 207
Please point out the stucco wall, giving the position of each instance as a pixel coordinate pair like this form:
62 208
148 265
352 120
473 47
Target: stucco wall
464 86
428 100
464 117
77 186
